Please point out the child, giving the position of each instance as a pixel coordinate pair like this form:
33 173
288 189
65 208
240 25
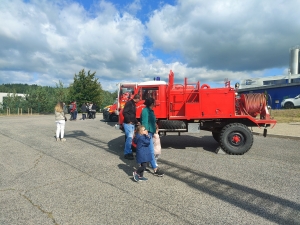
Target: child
157 146
143 153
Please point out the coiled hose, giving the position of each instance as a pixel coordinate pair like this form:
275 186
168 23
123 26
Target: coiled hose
253 104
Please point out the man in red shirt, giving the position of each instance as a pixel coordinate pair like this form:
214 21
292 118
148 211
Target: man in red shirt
73 110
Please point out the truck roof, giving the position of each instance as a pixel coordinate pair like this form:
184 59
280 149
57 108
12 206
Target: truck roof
153 82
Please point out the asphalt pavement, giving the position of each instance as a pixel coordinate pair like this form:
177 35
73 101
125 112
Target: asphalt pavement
86 179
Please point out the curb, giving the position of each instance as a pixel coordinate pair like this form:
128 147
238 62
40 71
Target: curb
278 136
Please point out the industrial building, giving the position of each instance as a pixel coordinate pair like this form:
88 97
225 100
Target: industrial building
277 88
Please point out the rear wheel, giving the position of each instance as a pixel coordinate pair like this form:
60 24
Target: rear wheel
236 139
289 105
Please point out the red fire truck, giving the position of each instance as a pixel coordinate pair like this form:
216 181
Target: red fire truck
191 107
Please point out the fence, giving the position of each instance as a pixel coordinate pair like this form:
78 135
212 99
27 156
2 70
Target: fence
19 111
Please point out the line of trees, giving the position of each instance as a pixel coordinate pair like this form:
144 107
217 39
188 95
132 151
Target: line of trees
42 99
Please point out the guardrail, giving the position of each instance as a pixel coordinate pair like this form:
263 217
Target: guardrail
20 111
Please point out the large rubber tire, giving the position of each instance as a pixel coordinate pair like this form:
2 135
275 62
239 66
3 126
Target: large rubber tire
171 124
236 139
216 136
288 105
106 115
114 118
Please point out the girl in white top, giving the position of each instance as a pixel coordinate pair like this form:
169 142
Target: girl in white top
157 145
60 121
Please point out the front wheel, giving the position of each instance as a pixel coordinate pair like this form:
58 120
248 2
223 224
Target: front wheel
236 139
114 118
106 115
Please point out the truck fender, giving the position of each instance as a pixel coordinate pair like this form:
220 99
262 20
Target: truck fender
205 86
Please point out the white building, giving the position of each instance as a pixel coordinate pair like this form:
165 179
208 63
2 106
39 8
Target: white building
2 95
269 81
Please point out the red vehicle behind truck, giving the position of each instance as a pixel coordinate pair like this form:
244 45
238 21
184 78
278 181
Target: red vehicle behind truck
190 107
125 91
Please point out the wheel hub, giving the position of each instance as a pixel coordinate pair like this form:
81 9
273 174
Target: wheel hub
236 139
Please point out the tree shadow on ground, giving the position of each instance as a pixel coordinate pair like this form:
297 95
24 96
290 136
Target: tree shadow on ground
270 207
112 124
262 204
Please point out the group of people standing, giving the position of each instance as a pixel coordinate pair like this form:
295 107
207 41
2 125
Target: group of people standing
61 111
142 137
88 110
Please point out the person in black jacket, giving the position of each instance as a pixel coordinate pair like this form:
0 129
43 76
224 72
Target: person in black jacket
129 113
94 109
83 111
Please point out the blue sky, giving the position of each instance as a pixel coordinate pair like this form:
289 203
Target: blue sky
46 41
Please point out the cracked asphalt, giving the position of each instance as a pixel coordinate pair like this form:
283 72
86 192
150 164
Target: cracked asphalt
85 180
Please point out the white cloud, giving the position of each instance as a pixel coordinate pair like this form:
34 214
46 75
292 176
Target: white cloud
230 35
60 40
134 7
45 41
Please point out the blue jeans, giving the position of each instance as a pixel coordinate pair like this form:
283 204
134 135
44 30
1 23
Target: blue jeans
151 146
75 114
129 131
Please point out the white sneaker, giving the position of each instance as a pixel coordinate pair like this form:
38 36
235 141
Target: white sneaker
63 139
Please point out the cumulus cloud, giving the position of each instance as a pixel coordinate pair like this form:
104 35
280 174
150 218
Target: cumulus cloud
43 41
45 37
227 35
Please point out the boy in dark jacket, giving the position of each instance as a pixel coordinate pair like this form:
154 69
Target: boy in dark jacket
143 153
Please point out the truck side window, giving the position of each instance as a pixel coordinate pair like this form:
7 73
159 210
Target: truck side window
149 93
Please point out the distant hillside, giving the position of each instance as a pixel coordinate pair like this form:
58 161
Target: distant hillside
17 88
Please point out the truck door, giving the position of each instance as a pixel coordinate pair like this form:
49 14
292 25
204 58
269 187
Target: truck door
176 103
152 92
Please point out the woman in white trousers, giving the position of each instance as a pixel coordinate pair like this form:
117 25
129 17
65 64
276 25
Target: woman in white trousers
60 121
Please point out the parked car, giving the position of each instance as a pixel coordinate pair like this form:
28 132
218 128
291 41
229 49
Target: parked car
291 103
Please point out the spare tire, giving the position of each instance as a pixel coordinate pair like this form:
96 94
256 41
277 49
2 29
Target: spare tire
171 124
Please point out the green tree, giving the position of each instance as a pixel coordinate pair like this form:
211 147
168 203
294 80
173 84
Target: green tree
61 93
85 88
41 99
114 94
107 98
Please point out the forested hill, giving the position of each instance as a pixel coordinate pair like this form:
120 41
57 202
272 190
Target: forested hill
85 88
17 88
